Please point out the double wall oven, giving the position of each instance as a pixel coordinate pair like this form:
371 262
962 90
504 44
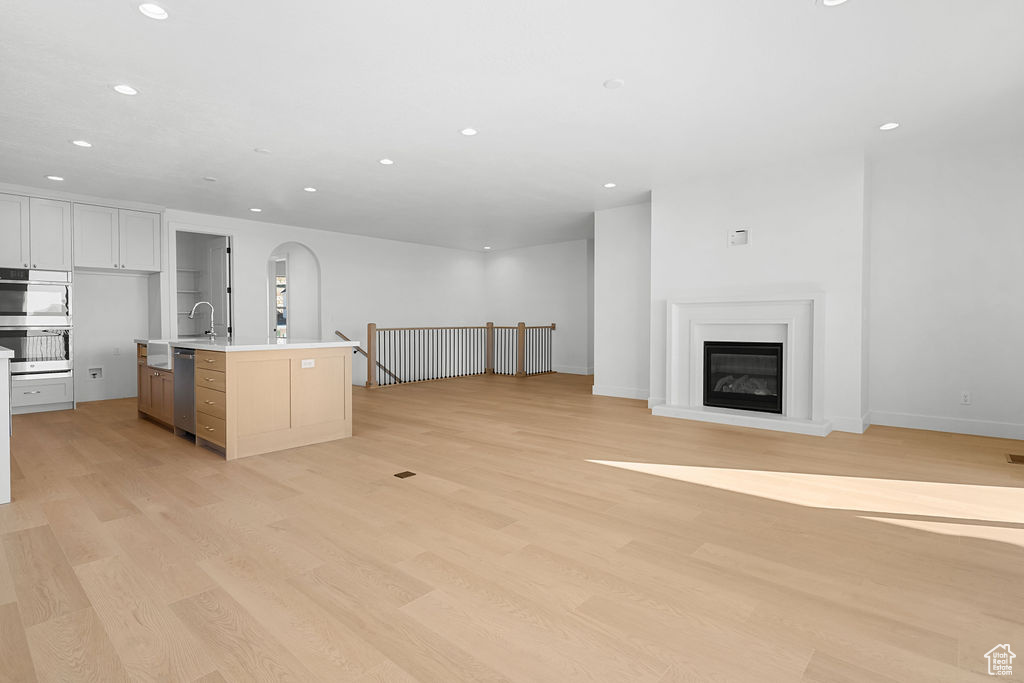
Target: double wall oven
35 322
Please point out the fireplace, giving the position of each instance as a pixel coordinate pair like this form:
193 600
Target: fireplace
743 375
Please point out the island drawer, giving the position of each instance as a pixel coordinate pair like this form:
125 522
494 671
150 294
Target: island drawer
211 428
211 360
210 379
211 402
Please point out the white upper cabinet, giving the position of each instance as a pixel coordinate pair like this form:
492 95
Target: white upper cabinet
14 231
96 237
49 234
140 240
106 237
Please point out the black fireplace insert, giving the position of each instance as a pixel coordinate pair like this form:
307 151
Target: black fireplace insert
743 375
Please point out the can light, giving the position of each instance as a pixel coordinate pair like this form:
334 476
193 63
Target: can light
153 11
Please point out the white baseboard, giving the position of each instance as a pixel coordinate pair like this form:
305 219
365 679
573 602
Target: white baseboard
655 401
955 425
619 392
573 369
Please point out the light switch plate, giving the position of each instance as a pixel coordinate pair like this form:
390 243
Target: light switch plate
308 363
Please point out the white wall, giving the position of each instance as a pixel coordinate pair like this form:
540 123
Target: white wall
622 294
545 284
947 303
110 310
807 233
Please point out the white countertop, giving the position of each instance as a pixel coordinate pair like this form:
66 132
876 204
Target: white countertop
250 344
6 353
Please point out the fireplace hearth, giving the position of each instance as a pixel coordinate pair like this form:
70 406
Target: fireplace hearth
743 375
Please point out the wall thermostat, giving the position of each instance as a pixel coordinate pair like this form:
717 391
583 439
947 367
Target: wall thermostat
739 237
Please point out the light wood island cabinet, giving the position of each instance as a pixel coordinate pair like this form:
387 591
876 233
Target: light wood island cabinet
155 390
259 398
252 402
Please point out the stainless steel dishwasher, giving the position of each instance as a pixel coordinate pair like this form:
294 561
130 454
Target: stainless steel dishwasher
184 391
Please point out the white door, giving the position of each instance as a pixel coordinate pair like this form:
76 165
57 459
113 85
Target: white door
14 231
96 237
219 283
49 225
140 240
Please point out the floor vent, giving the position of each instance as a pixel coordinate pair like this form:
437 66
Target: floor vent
403 475
1015 458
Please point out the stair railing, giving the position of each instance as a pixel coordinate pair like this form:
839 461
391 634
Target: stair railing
398 355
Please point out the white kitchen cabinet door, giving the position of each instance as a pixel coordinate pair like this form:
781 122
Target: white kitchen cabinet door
14 231
49 234
140 240
97 243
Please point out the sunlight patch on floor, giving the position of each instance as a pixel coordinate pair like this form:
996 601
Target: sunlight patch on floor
867 494
984 532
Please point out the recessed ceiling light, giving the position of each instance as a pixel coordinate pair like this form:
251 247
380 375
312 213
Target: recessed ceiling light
309 189
153 11
209 179
81 143
261 150
126 89
255 210
54 177
609 186
832 3
487 248
892 125
469 132
386 162
614 83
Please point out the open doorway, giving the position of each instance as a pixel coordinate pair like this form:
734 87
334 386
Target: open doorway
203 273
293 293
280 315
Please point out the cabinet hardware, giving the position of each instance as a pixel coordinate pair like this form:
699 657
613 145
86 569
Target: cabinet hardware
37 391
209 429
208 379
209 403
209 360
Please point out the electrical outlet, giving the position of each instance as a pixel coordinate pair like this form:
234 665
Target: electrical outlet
965 398
308 363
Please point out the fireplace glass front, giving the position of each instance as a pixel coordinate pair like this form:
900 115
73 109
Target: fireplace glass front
743 375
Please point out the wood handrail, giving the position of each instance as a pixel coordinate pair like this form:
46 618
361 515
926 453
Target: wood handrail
405 329
363 351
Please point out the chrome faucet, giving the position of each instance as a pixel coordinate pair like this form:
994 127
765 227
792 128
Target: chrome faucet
192 314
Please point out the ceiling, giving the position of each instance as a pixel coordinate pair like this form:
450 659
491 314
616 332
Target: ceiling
331 86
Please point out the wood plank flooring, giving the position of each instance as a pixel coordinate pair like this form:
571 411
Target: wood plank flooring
548 535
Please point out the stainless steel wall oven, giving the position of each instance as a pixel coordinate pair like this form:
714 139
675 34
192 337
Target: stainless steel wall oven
35 321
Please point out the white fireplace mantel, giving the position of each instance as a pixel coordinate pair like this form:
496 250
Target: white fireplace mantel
796 319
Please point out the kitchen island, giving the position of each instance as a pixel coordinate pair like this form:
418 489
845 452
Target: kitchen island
254 396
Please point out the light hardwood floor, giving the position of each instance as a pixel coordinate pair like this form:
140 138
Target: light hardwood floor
548 535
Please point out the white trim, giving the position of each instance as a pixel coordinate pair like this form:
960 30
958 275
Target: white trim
746 418
655 401
853 425
620 392
955 425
